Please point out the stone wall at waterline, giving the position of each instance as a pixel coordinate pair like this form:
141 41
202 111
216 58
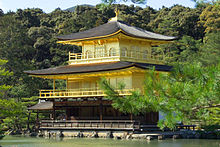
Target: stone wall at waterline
184 134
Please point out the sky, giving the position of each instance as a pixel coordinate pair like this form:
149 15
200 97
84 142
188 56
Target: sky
50 5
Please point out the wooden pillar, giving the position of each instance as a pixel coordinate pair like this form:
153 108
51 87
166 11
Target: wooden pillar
37 121
54 85
54 111
67 86
131 116
37 116
100 110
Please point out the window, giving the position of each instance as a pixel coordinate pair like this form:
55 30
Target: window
124 52
99 50
133 52
138 52
145 54
88 54
112 52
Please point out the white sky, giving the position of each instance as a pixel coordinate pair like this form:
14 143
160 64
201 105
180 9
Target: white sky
1 4
50 5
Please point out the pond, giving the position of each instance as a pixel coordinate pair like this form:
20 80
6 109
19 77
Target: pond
13 141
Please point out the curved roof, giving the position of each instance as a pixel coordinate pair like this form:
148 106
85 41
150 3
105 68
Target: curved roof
114 27
96 67
42 106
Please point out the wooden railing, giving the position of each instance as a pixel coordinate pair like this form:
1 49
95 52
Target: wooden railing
186 127
92 58
90 124
76 93
75 58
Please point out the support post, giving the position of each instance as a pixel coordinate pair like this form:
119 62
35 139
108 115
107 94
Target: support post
67 86
37 121
54 111
54 85
131 116
100 110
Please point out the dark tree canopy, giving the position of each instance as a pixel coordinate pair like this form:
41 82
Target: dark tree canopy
1 12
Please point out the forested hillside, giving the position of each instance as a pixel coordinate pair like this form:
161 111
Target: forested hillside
27 42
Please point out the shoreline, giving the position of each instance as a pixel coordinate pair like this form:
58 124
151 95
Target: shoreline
183 134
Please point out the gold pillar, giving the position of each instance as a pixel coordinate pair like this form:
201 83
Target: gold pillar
54 85
67 86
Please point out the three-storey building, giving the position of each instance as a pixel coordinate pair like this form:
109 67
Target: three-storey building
116 51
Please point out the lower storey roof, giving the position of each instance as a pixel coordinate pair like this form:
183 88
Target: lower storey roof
42 106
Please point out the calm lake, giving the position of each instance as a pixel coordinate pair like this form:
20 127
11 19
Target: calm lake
10 141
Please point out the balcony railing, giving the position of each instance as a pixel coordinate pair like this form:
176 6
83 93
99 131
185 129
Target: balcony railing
75 58
92 57
90 124
76 93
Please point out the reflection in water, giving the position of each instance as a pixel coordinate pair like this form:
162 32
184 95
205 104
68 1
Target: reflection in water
12 141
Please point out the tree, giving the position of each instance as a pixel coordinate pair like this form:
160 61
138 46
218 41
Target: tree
131 104
210 18
3 73
185 50
210 50
12 114
110 2
1 12
190 92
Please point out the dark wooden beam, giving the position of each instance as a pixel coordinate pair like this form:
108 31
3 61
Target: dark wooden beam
54 111
100 110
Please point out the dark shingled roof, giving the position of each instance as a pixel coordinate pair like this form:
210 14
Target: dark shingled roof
96 67
42 106
113 27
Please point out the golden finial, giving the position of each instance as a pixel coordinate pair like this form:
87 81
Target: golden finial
116 12
116 15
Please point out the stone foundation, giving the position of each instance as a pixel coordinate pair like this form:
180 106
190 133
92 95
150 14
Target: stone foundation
127 135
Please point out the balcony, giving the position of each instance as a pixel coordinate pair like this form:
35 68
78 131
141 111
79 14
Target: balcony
78 93
75 58
79 58
90 124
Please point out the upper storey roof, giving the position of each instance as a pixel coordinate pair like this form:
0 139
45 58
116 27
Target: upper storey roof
113 28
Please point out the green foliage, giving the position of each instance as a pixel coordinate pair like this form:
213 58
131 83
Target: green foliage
127 104
189 92
185 50
210 18
4 73
211 127
110 2
12 114
210 51
1 12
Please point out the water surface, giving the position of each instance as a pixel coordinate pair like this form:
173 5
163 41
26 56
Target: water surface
12 141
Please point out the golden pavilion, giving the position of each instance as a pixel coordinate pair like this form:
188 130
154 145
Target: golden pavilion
116 51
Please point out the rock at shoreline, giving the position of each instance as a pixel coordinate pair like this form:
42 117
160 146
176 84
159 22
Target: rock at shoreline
177 137
149 138
161 137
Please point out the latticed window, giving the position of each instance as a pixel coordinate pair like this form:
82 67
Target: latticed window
100 50
133 52
88 54
112 52
124 52
145 54
138 52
